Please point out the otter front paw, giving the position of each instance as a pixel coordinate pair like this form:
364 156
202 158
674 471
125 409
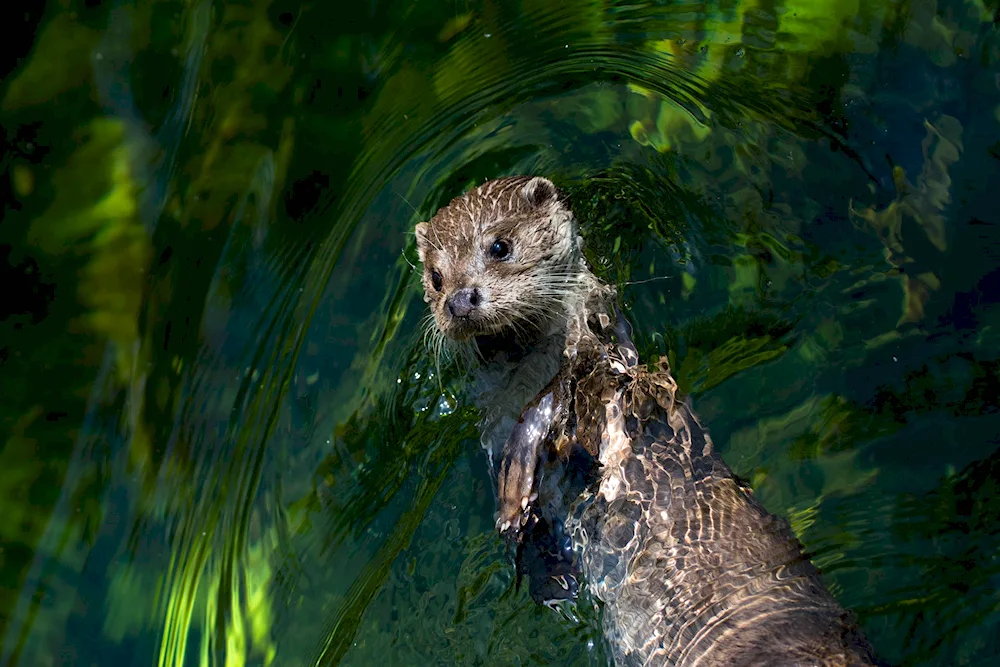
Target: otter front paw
520 462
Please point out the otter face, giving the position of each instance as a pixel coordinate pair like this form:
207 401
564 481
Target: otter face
501 259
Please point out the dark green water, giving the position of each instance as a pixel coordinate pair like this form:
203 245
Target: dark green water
221 441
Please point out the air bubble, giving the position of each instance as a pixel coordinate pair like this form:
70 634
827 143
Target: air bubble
445 406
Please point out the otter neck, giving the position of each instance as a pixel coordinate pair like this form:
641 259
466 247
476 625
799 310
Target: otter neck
491 349
512 371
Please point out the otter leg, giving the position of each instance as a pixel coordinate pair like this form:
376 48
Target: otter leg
544 555
536 469
520 460
538 433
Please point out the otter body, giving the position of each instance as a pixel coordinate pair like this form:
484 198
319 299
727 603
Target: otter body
690 568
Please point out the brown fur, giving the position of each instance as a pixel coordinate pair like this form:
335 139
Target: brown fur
522 293
692 570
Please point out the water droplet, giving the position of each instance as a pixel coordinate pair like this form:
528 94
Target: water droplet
487 35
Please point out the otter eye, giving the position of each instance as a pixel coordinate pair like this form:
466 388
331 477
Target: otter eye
500 249
436 280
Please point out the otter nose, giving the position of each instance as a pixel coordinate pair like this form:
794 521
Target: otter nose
463 301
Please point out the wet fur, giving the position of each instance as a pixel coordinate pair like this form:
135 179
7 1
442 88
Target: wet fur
690 567
515 344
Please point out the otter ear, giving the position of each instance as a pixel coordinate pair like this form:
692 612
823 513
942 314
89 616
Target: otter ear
421 232
539 191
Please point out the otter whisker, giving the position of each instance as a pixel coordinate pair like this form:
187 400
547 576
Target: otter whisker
407 259
648 280
406 201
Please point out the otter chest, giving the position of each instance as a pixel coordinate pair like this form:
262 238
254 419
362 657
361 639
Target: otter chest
503 388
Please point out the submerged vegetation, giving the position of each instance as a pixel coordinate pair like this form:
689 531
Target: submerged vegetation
220 440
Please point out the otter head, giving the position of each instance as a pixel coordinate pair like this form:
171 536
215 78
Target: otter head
500 260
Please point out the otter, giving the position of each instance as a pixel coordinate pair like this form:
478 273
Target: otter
602 473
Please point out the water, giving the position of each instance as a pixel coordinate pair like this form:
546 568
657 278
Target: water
223 444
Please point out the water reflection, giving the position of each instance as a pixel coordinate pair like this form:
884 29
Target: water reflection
225 445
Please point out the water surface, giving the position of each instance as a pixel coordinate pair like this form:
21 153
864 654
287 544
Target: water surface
223 441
